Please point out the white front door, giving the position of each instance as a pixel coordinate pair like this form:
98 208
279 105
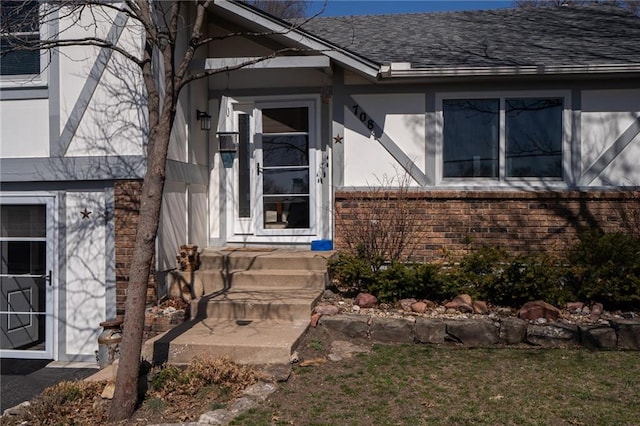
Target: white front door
26 282
275 173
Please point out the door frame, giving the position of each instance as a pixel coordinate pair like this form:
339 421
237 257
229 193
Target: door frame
51 290
248 230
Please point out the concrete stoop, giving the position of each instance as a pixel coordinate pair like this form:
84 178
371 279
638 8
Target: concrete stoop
255 307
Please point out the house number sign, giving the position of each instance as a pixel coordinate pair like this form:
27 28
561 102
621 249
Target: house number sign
366 119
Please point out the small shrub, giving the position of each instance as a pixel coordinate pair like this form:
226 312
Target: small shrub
353 272
526 278
606 268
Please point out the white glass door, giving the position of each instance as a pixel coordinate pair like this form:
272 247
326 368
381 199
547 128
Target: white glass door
26 282
284 160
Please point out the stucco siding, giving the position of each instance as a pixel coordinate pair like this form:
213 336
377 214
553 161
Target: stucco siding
85 272
609 122
402 118
24 128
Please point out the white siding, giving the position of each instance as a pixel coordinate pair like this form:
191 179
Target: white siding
606 114
24 128
85 272
173 220
402 117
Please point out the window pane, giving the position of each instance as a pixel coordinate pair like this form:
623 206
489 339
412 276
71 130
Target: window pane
23 257
286 212
292 150
21 30
19 16
244 167
289 181
285 120
23 221
19 61
534 137
471 138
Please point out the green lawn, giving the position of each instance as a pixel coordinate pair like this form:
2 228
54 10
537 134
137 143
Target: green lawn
429 385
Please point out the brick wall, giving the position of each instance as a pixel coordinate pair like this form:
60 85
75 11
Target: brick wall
457 221
126 214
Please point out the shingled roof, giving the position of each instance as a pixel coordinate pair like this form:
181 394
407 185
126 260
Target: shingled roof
580 35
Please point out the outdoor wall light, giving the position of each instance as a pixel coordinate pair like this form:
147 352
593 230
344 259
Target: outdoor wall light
227 141
204 119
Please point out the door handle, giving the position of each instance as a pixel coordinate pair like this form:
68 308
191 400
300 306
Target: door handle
48 278
258 169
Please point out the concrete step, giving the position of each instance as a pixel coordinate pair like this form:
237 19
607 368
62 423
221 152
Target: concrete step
256 305
304 260
256 342
277 279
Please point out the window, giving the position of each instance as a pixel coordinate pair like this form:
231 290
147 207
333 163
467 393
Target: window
19 21
501 138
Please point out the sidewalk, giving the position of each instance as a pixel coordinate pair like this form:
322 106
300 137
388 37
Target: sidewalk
23 379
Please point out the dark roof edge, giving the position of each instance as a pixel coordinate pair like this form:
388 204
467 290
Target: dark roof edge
401 70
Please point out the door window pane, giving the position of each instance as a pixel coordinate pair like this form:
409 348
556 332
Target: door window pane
244 167
286 212
23 221
534 137
23 257
471 138
285 120
287 181
289 150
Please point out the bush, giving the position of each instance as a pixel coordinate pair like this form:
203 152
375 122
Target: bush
606 268
526 278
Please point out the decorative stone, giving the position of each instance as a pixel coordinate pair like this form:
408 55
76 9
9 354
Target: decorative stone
419 307
216 417
463 299
598 336
365 300
405 304
451 311
354 326
327 310
480 332
279 372
242 405
596 311
355 308
628 331
586 310
393 330
512 331
504 312
430 304
464 308
314 319
480 307
334 357
531 311
260 390
18 410
556 335
574 307
430 330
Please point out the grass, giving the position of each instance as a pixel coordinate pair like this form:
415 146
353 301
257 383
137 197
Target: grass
427 385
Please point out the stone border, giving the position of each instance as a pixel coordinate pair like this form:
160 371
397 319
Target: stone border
619 334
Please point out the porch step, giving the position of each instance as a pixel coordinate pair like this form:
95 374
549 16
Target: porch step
239 259
282 305
250 305
258 342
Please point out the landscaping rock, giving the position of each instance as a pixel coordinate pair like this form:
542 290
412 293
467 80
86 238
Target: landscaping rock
419 307
558 335
314 319
464 299
598 336
260 391
393 330
480 332
512 331
480 307
405 304
19 410
430 330
216 417
596 311
574 307
465 309
365 300
354 326
327 310
278 372
531 311
628 332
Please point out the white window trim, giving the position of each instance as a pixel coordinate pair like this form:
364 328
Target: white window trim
40 80
502 181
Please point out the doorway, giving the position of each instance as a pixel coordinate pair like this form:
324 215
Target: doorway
26 281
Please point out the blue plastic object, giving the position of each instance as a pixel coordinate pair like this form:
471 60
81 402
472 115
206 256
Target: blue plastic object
321 245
